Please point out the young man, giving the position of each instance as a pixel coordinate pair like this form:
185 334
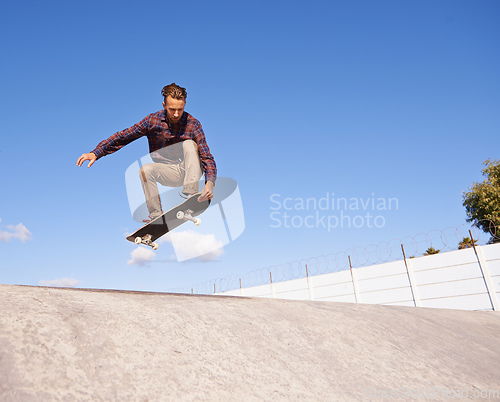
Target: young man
177 146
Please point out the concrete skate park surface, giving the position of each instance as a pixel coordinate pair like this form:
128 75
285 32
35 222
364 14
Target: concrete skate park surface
75 344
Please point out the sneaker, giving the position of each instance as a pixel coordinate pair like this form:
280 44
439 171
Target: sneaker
187 196
150 218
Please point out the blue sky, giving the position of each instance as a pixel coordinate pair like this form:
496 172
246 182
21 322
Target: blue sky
381 99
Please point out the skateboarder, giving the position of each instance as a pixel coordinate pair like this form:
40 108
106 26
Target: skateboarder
177 146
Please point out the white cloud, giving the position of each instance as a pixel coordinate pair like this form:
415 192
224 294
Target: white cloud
188 245
18 231
63 283
141 256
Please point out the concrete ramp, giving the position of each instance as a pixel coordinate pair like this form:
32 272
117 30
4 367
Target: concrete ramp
72 344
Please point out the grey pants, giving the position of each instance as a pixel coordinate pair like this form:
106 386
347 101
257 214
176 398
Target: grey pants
186 173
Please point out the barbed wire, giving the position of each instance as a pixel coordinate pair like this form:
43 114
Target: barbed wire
451 238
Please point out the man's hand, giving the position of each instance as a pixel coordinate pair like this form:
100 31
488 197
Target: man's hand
207 193
86 157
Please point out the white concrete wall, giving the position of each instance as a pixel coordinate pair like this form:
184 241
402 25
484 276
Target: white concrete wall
461 279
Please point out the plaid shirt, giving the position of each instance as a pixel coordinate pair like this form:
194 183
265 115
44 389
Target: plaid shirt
161 135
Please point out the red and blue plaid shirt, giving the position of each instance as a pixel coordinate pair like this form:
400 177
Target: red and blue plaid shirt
160 135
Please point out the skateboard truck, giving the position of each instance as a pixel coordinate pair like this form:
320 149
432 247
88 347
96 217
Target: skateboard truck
146 239
186 215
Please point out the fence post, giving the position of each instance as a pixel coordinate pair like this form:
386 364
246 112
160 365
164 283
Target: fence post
309 285
354 281
411 279
273 293
490 287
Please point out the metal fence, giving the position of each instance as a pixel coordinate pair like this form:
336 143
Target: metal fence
440 240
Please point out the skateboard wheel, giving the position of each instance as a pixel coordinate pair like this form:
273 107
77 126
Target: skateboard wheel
155 246
197 221
180 215
138 240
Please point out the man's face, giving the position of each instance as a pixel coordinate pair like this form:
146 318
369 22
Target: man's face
174 108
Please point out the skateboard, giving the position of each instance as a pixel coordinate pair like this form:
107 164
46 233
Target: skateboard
186 211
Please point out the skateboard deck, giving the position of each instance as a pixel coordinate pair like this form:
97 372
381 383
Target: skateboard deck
186 211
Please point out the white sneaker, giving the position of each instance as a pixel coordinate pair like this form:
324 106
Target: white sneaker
150 218
187 196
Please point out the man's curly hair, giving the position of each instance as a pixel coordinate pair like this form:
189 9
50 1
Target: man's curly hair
175 91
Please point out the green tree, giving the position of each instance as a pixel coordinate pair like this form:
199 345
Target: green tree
482 201
431 250
465 243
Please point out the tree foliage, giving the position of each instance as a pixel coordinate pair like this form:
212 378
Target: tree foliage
431 251
466 243
482 201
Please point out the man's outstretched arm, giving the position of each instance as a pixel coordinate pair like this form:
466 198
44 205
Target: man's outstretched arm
86 157
117 141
